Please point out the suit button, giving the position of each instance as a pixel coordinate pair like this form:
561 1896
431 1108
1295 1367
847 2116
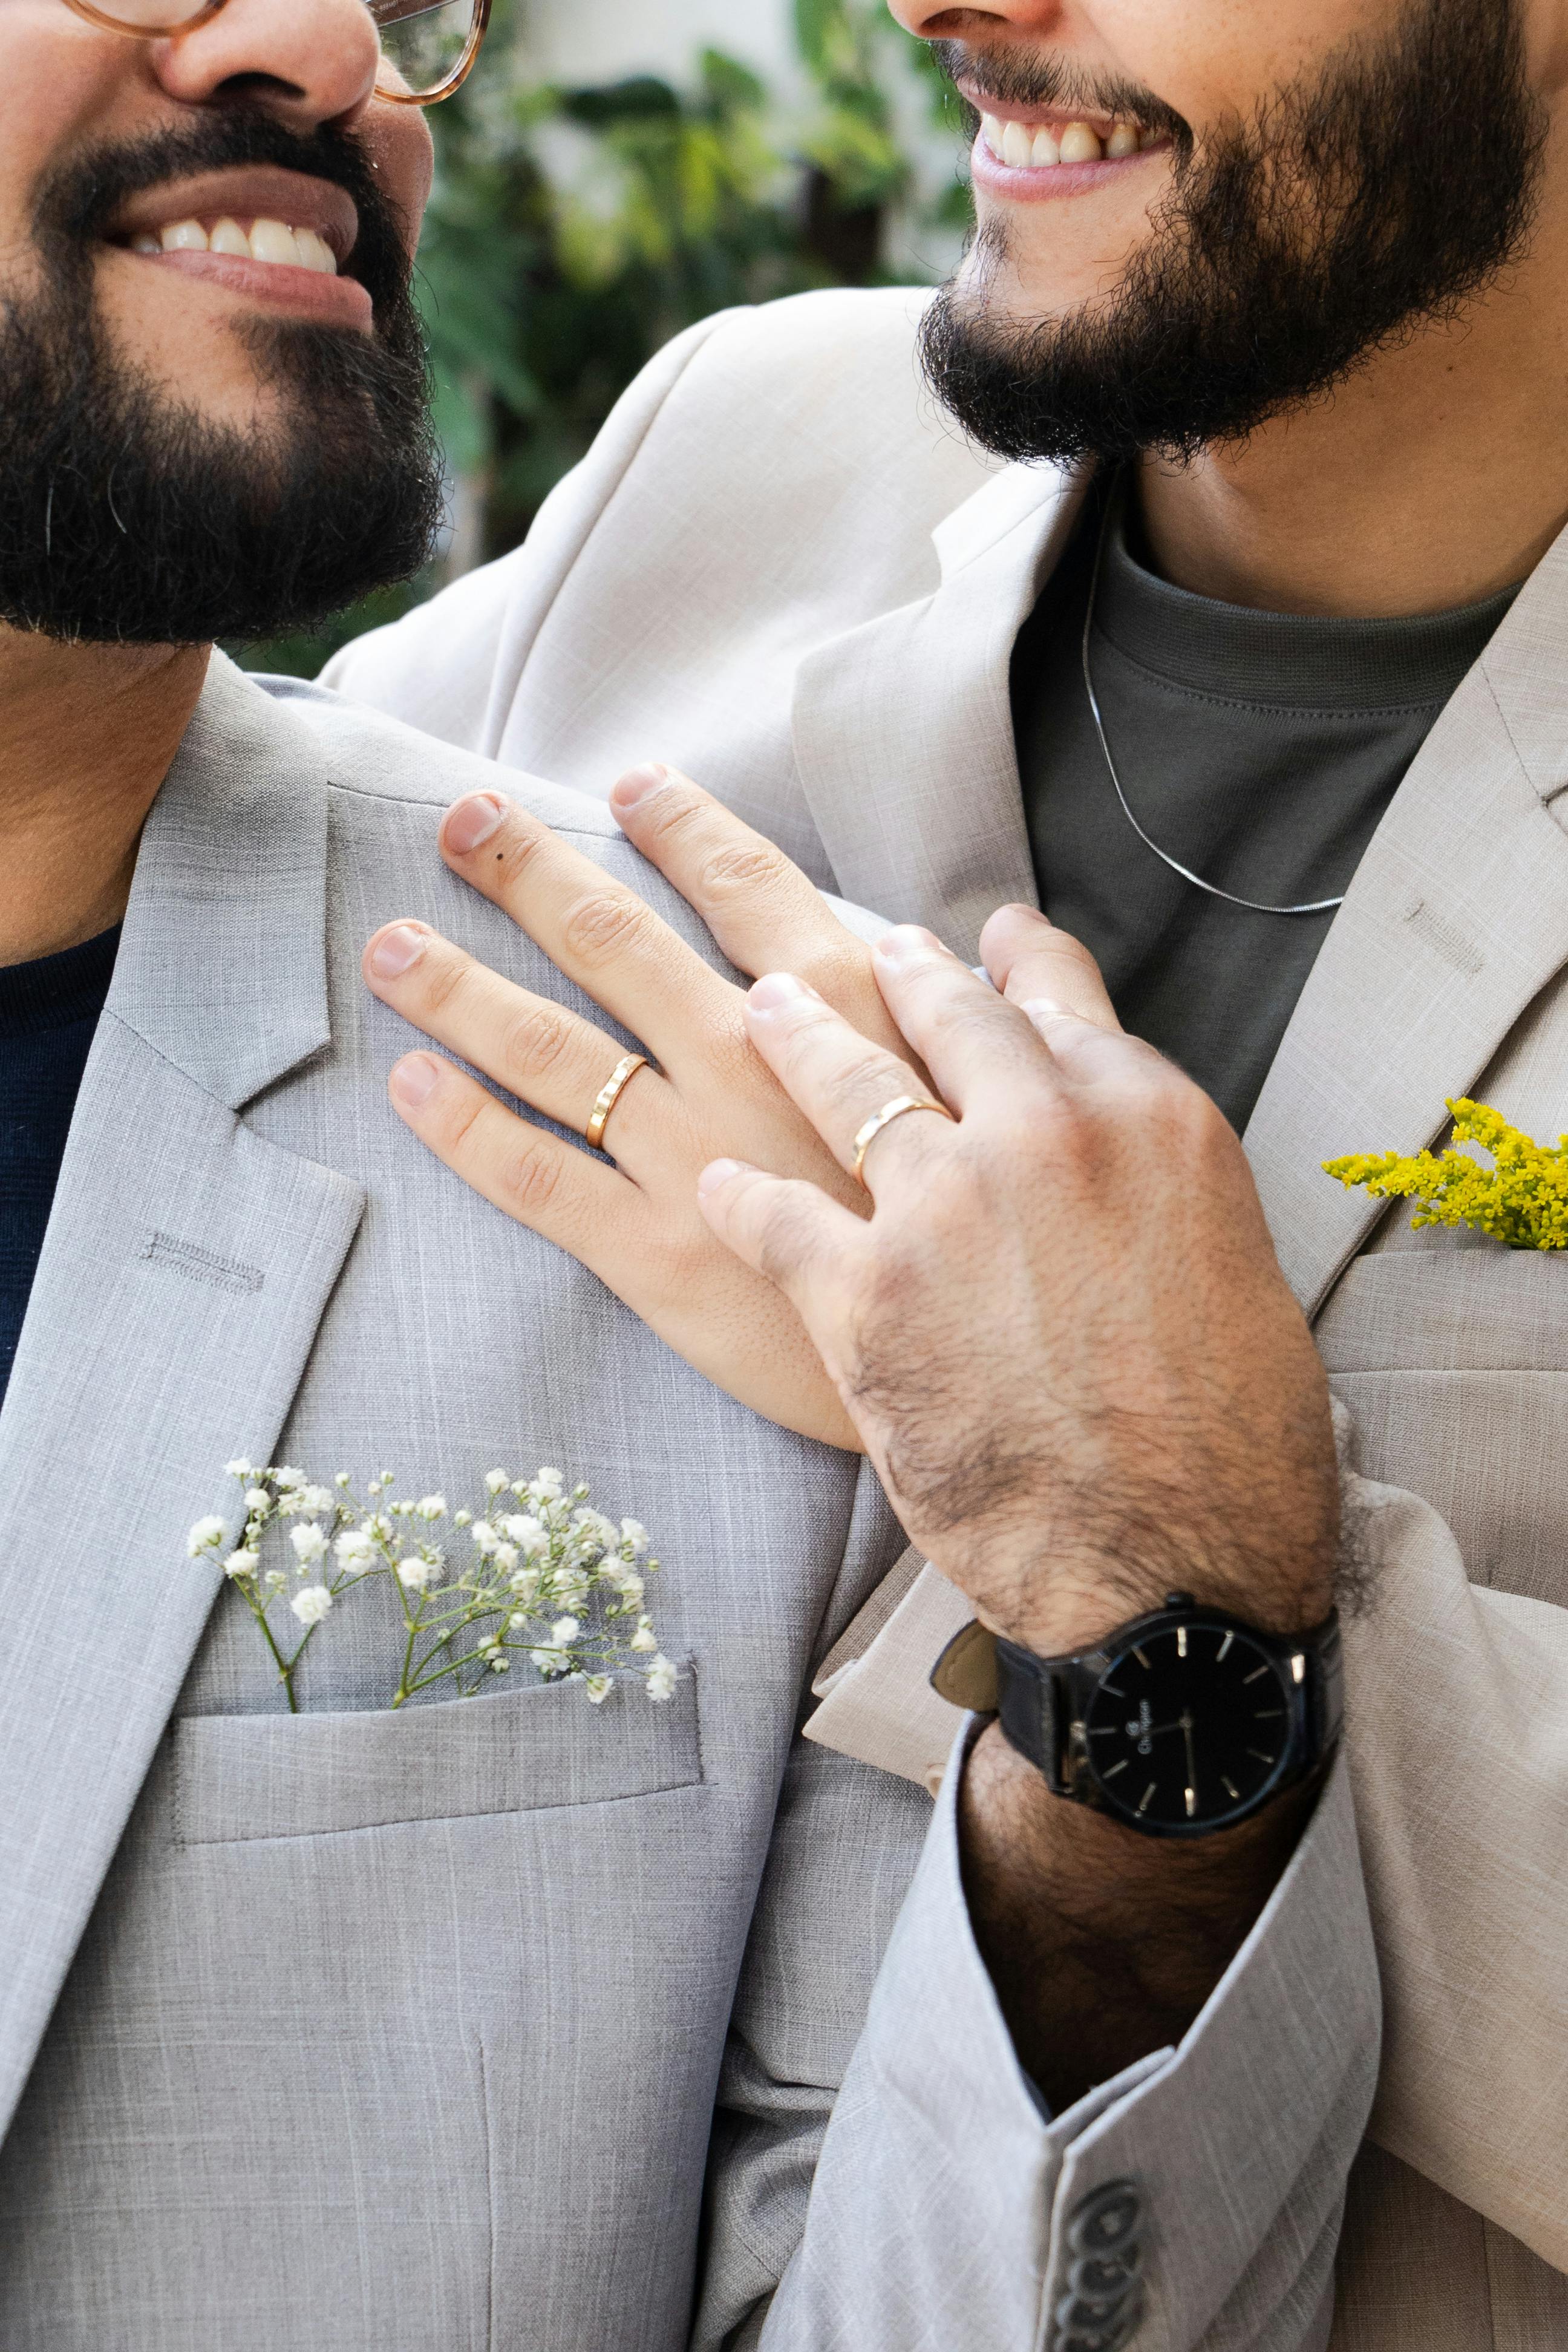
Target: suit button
1107 2335
1100 2274
1105 2219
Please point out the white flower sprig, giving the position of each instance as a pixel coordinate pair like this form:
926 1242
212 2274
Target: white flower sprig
546 1576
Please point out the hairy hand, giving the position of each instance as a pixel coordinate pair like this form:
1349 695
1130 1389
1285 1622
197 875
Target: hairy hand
1063 1334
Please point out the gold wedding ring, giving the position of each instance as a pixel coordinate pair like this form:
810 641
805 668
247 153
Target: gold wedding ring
608 1096
885 1118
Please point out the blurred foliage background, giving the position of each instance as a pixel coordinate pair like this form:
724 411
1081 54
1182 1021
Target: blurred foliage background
573 231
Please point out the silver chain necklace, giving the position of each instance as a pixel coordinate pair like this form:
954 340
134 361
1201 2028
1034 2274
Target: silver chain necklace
1252 906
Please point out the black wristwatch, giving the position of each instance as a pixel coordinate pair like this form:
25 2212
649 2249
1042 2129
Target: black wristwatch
1183 1722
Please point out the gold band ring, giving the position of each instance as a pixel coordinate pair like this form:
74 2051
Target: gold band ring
608 1096
885 1118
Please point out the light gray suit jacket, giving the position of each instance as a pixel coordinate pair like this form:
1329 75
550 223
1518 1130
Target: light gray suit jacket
423 2031
782 568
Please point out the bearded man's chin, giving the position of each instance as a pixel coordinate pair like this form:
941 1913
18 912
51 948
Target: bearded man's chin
1281 261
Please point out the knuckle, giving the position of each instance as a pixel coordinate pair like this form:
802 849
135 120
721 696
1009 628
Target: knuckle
738 867
523 839
530 1179
446 976
602 923
535 1041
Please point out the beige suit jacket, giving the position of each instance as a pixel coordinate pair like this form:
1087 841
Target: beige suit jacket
781 568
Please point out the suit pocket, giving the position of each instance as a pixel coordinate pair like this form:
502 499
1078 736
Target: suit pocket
243 1778
1486 1310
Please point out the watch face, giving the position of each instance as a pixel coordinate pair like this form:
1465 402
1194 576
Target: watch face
1189 1727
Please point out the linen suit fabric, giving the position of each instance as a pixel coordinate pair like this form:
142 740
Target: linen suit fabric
781 569
394 2029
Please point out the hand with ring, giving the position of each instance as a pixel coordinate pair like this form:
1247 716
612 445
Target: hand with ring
695 1091
1062 1335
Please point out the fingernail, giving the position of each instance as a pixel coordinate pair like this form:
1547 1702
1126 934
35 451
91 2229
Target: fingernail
413 1077
721 1171
395 950
638 785
776 990
472 821
1045 1008
904 944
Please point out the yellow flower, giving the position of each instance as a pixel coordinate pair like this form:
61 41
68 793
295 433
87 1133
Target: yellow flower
1522 1199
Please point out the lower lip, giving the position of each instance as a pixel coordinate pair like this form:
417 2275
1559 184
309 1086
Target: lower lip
1040 184
307 293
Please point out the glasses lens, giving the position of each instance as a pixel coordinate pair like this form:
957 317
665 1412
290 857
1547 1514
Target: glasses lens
149 15
424 42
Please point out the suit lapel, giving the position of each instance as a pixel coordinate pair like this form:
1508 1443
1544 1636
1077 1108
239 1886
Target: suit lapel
187 1266
903 728
1457 918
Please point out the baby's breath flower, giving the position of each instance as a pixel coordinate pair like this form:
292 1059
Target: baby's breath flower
356 1550
239 1468
556 1562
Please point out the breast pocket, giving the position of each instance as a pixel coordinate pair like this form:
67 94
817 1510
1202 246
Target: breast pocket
1454 1363
238 1778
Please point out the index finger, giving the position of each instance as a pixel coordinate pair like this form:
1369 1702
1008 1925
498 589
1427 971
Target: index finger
593 928
765 914
1029 958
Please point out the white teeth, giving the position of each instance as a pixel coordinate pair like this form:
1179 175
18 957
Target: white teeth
315 253
1040 150
267 240
270 240
1080 145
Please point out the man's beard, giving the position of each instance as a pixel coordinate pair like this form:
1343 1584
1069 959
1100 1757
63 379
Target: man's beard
128 517
1347 213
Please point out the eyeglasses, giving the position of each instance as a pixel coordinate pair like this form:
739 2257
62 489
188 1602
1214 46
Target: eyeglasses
427 46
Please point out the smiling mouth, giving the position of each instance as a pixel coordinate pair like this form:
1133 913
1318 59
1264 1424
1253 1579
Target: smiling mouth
261 232
1047 142
278 243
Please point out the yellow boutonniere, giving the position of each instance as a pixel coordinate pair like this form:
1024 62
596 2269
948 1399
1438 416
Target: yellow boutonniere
1522 1199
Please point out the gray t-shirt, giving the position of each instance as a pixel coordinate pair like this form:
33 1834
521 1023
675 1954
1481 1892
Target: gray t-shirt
1260 749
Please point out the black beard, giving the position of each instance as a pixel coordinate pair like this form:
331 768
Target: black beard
1291 250
128 518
